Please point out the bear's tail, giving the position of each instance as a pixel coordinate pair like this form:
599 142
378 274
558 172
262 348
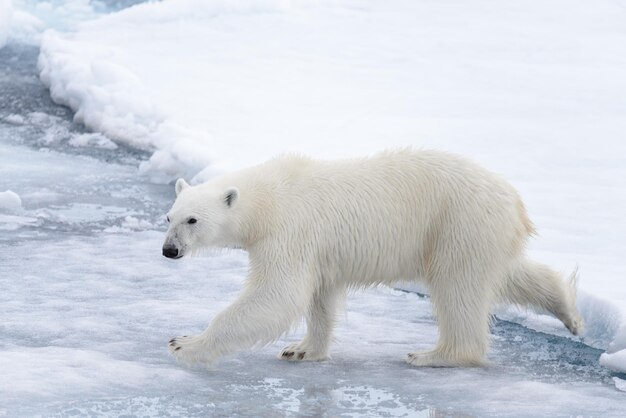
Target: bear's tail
537 285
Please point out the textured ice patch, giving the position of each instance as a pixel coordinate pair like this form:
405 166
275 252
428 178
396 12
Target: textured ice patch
14 222
81 371
92 140
130 223
362 399
52 129
14 119
82 213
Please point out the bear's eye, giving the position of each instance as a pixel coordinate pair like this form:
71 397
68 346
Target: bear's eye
168 219
192 221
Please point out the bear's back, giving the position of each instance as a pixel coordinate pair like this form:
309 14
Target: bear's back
401 183
382 210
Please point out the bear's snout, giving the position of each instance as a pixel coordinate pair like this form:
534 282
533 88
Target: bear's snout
170 252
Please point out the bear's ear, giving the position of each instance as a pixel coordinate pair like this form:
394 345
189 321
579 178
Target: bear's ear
230 196
180 185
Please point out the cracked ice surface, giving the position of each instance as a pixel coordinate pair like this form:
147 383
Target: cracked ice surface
86 320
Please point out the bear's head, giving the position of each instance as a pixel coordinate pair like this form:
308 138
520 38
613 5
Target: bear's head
201 217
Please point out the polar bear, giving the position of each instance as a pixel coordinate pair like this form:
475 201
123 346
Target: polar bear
313 229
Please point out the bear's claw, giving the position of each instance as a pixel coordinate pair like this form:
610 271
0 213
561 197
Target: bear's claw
300 352
190 350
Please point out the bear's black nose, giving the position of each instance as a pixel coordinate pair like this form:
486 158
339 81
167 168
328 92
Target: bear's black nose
170 252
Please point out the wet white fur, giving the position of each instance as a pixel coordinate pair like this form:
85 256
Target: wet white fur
316 228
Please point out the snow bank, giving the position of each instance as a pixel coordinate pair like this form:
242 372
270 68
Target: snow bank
108 94
535 93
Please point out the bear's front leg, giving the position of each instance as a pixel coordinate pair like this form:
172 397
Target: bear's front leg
263 312
320 320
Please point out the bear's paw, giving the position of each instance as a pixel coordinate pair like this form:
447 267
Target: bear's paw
301 352
189 350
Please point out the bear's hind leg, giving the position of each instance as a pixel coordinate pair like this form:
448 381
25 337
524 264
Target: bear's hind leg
320 320
537 285
462 309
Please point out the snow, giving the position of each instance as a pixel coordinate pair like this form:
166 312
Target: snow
535 94
247 91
